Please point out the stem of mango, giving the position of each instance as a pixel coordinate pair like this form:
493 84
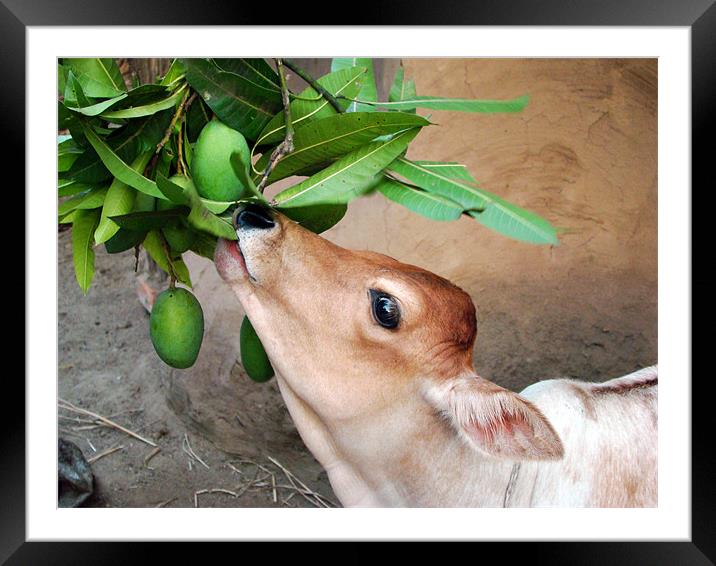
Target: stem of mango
314 84
167 251
286 146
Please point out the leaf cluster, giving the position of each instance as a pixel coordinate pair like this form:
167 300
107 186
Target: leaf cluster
122 149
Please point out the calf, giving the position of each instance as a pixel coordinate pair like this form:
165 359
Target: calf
373 358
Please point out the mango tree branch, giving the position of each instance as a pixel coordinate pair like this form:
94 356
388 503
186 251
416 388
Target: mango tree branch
181 109
286 146
314 84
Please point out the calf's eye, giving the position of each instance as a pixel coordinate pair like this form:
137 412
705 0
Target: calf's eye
385 309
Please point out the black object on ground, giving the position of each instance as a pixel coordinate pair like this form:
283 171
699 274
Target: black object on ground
75 479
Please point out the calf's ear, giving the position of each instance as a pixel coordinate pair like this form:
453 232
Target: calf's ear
494 420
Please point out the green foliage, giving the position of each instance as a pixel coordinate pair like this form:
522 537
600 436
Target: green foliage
368 91
320 142
125 156
309 105
238 102
350 176
424 203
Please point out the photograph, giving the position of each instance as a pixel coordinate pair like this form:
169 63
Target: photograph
358 283
387 282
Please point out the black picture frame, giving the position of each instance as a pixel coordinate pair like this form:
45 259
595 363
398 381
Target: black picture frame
698 15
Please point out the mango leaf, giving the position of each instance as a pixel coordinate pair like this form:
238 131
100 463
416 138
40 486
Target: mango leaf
486 208
98 108
456 104
124 240
176 71
200 216
144 202
171 191
188 149
67 188
328 138
204 245
401 89
126 142
83 227
449 169
146 109
368 91
164 163
345 82
87 200
426 204
74 95
120 200
155 245
434 181
67 153
197 117
348 177
515 222
68 218
217 206
316 218
100 78
238 102
258 71
120 169
241 170
62 73
149 220
147 94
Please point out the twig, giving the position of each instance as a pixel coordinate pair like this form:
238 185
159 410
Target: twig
150 456
180 159
105 453
165 503
314 84
213 490
89 427
286 146
172 273
77 419
322 501
91 445
183 105
136 258
186 447
235 469
70 407
295 484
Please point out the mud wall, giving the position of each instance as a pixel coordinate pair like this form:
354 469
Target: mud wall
583 154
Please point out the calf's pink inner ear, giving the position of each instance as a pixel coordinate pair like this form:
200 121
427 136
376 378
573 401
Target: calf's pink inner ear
495 421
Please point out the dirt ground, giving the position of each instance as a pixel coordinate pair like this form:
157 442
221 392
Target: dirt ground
107 365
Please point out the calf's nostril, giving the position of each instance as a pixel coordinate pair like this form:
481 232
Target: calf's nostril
254 216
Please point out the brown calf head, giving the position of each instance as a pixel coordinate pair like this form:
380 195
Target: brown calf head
354 333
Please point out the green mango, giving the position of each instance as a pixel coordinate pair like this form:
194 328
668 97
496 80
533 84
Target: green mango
253 355
211 167
176 327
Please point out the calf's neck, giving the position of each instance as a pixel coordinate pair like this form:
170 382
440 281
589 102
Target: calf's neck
373 359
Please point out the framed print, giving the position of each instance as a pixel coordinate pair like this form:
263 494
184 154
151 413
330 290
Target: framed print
575 127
